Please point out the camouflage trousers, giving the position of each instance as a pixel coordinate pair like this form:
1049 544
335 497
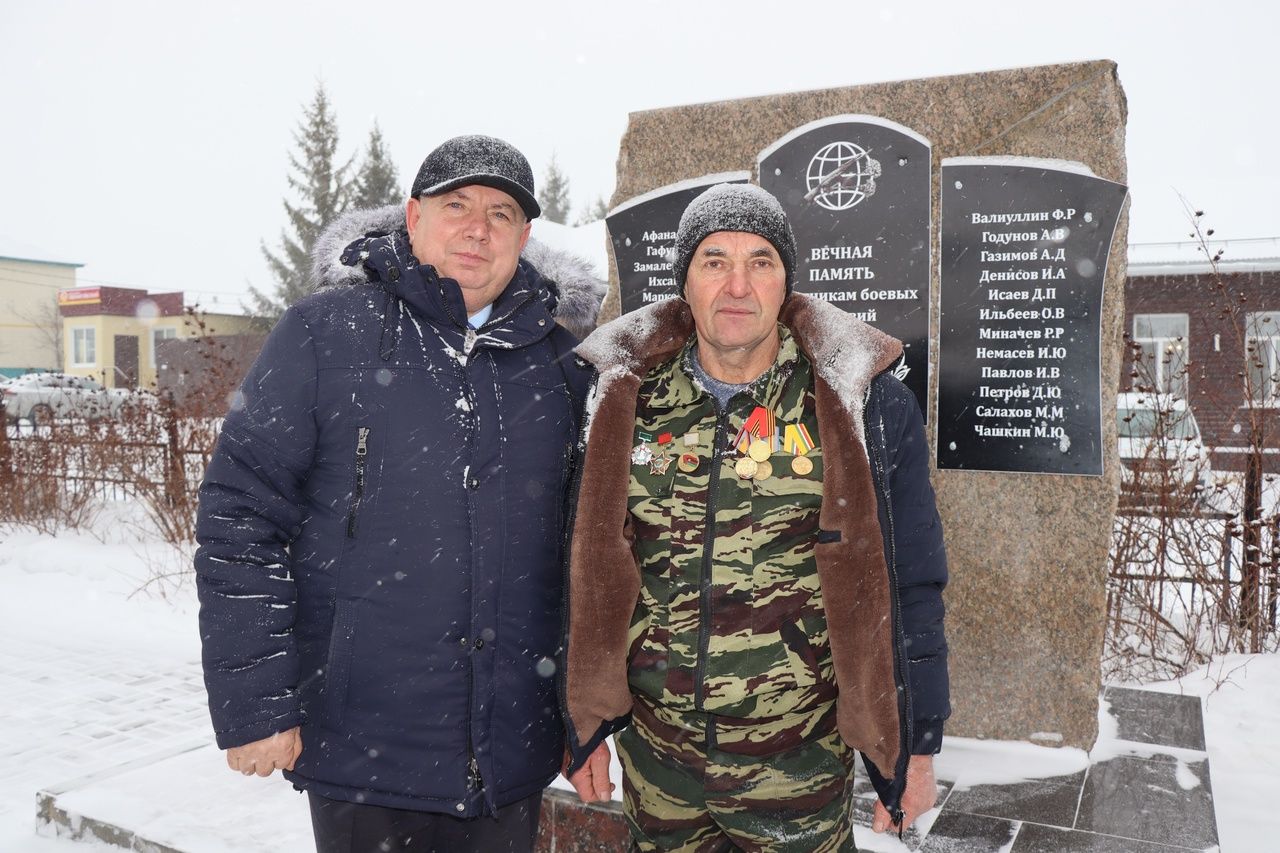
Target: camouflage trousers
700 782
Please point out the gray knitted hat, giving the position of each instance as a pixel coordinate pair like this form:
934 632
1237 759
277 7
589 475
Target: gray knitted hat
734 207
481 160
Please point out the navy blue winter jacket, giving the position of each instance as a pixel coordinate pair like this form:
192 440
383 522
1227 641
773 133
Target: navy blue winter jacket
380 539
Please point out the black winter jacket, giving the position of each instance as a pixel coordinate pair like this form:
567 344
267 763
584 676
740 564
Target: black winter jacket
380 536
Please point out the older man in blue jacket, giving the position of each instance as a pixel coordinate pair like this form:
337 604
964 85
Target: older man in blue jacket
380 525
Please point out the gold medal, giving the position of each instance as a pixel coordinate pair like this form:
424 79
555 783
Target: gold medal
764 470
802 465
746 467
688 462
760 450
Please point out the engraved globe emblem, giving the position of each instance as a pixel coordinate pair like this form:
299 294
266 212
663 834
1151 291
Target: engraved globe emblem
841 175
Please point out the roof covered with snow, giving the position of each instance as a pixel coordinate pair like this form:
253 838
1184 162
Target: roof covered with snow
16 250
1189 257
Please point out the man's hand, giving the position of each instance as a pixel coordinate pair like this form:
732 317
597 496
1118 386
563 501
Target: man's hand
592 780
264 756
918 798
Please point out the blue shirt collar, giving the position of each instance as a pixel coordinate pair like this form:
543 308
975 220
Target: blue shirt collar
479 318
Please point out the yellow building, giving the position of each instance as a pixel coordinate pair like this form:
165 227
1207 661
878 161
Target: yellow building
110 333
30 326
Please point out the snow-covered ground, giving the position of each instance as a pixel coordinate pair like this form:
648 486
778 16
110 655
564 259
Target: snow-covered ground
76 612
71 615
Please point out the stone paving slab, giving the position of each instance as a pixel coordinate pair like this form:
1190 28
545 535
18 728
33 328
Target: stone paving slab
1154 795
1167 719
1158 801
1051 801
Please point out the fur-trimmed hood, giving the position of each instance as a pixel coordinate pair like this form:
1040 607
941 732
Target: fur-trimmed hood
576 289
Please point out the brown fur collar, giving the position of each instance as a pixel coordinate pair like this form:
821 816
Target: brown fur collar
845 352
604 580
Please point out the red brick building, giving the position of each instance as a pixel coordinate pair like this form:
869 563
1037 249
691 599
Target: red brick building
1211 336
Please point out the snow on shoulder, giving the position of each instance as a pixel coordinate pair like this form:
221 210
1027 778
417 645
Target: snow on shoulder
627 345
846 352
626 341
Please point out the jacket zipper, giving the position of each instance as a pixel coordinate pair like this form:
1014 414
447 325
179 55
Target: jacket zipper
475 782
899 653
362 455
708 552
470 336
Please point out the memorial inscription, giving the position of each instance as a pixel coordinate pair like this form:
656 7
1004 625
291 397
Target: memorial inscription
643 233
857 191
1024 253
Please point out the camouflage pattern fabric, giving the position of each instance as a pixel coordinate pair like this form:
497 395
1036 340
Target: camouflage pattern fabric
697 782
751 642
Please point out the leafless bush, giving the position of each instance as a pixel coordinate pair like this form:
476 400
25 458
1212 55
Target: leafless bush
154 450
48 484
1194 566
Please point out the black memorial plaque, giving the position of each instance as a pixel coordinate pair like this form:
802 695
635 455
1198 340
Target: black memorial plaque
857 192
643 233
1024 258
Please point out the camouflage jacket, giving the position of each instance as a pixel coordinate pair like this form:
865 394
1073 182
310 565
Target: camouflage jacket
880 560
730 617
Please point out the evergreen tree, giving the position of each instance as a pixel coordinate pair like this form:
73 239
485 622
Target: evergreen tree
377 182
321 188
596 211
553 197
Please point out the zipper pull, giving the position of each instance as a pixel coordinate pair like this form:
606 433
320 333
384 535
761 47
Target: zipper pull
469 344
473 774
362 442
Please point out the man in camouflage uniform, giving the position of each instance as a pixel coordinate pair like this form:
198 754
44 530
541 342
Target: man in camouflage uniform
756 561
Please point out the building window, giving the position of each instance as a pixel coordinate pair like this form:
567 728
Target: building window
158 335
1261 356
1162 341
84 347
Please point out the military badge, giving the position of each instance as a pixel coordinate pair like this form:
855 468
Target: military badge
641 454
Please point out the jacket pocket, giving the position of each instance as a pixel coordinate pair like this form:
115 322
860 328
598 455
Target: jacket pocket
338 663
361 453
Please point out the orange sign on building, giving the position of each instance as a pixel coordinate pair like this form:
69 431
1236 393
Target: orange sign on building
80 296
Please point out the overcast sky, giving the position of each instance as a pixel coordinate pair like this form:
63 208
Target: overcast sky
149 140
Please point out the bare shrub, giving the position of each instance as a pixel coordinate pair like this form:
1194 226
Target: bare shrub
154 450
49 483
1193 571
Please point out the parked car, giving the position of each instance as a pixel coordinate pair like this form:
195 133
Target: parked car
41 397
1160 444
